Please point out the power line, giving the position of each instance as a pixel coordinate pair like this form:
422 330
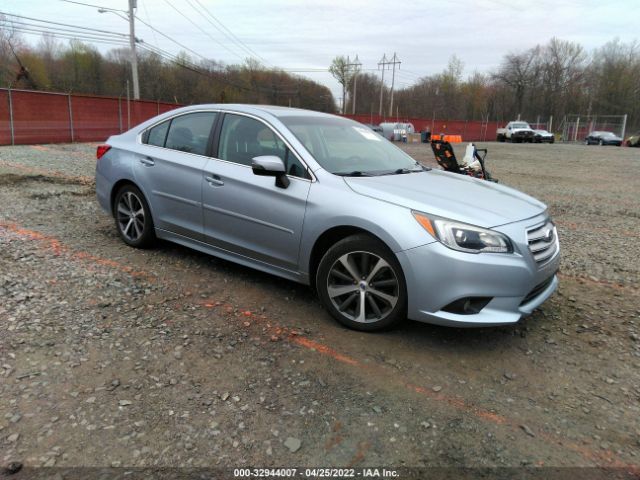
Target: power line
63 24
230 34
356 64
62 36
174 59
383 62
394 61
90 5
19 24
201 29
146 12
171 39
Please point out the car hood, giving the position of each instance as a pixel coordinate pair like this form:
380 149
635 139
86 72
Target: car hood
458 197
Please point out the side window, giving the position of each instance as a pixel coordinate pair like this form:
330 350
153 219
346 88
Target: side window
243 138
157 135
190 133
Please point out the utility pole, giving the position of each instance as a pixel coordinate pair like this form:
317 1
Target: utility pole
134 57
356 69
384 64
393 62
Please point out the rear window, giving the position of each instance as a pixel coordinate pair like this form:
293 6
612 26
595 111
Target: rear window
190 133
187 133
158 134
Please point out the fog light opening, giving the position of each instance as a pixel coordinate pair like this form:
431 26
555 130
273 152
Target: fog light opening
467 305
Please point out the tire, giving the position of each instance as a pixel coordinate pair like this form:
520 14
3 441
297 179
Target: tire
586 141
367 304
133 217
553 140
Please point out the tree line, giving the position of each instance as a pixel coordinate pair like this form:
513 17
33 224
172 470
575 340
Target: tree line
555 79
79 67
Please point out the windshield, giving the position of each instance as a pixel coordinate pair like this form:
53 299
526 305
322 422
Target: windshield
345 147
607 134
520 125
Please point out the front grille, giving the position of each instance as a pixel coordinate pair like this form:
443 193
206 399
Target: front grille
537 290
543 242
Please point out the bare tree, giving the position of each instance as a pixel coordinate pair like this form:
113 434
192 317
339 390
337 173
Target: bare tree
340 70
519 71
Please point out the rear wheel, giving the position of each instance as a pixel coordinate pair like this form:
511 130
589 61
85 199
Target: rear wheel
360 283
133 217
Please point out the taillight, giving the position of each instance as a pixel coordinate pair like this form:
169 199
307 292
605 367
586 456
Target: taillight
102 149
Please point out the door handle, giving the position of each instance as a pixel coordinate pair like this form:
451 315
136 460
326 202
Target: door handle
147 161
214 180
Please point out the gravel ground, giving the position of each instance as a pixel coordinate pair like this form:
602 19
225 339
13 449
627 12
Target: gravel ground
111 356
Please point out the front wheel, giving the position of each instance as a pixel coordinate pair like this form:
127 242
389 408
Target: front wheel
360 283
133 217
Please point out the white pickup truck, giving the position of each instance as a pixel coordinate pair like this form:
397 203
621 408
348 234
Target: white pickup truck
516 132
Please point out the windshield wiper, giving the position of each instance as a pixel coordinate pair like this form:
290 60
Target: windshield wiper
355 173
400 171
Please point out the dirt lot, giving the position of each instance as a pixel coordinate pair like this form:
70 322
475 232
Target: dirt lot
111 356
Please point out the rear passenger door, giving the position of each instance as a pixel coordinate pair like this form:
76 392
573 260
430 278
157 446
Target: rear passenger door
248 214
169 171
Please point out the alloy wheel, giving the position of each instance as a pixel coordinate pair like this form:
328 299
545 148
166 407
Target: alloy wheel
130 216
363 287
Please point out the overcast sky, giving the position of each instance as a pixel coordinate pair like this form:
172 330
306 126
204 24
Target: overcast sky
303 35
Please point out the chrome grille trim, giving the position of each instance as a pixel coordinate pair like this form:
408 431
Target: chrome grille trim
543 242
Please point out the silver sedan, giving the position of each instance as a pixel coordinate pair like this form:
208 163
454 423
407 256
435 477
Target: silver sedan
325 201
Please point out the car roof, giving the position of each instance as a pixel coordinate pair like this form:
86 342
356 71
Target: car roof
273 110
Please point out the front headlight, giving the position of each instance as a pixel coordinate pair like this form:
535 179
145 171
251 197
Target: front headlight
464 237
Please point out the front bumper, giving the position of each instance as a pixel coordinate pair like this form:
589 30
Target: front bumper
436 276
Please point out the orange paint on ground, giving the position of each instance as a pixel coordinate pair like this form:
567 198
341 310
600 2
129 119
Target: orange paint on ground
606 457
325 350
81 179
56 247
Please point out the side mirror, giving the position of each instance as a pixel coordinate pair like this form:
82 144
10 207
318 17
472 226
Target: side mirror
270 166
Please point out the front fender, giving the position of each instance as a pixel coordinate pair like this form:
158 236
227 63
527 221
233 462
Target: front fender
334 204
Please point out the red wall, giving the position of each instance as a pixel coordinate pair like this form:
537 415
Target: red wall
471 130
43 117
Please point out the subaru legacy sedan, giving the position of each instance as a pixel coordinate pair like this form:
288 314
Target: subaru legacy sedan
325 201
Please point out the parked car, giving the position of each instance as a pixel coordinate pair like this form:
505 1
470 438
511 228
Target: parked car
633 140
602 138
543 136
516 132
323 200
